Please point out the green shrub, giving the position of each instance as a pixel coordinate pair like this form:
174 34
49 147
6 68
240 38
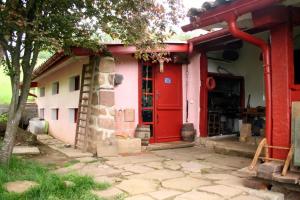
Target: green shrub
3 118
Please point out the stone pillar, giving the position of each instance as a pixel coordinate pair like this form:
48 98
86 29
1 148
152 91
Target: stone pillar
102 122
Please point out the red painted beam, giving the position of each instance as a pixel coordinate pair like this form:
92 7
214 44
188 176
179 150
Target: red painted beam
121 49
221 13
270 16
282 67
210 36
203 95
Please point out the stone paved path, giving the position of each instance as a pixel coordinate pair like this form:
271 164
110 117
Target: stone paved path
180 174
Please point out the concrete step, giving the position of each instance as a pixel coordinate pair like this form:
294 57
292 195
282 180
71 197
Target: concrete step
228 146
169 145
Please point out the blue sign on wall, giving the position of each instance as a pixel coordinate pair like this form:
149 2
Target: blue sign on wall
168 80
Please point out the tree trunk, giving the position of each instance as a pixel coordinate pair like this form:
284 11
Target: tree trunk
9 139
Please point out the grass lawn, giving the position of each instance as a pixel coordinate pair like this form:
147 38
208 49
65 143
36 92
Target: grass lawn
5 89
51 186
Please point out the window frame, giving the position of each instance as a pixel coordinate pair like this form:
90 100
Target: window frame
42 110
55 90
42 94
74 83
56 110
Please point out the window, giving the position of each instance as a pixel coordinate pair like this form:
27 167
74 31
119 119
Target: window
55 88
42 113
42 91
73 115
74 83
54 113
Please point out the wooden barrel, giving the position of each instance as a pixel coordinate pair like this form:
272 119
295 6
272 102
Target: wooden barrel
143 132
188 132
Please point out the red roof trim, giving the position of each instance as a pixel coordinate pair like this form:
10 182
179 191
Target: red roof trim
60 57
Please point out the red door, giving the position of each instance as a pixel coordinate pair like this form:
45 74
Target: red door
168 103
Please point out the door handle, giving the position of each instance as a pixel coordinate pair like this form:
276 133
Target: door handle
157 119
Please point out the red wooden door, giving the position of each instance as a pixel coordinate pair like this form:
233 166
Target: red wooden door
168 103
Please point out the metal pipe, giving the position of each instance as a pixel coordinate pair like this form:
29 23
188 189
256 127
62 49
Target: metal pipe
236 32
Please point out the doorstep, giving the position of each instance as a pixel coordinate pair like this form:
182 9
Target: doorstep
168 145
228 146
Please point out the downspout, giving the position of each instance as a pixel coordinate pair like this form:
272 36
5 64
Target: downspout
266 51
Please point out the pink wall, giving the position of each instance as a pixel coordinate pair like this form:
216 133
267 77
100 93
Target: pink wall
126 94
191 90
62 128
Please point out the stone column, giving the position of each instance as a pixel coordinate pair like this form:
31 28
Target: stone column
102 122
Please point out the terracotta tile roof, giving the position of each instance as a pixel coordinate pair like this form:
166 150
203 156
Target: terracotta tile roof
206 6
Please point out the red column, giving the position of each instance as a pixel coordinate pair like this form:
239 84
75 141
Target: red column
282 63
203 95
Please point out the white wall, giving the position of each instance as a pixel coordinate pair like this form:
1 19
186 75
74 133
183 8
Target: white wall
62 128
250 67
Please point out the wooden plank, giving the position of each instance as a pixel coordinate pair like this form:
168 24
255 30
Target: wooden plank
288 161
277 147
273 159
257 153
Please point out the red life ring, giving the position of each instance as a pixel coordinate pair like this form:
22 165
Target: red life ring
210 83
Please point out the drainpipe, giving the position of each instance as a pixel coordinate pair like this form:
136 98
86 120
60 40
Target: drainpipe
236 32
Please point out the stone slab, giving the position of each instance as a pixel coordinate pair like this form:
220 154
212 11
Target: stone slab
266 194
109 194
221 190
195 195
72 168
19 186
246 197
26 150
290 177
87 159
193 166
184 184
159 175
164 194
106 179
267 169
139 197
137 186
108 147
98 169
70 152
155 165
129 145
138 169
217 177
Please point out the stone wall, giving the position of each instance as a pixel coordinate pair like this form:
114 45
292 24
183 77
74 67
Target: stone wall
102 121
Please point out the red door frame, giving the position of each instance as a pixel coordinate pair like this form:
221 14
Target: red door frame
204 74
203 95
140 93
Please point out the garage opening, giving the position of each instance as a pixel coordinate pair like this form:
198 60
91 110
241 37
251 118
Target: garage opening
236 96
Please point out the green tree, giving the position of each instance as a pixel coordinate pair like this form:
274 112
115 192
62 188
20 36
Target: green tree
28 27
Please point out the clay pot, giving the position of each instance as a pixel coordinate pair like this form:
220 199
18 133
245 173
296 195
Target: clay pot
188 132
